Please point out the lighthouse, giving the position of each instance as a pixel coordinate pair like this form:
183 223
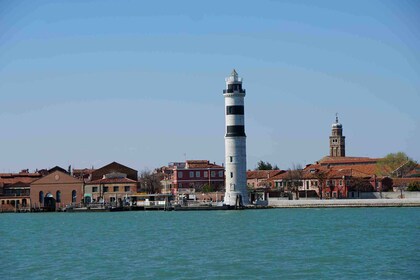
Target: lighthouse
235 142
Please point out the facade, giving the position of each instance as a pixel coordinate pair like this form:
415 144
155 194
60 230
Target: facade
337 140
257 179
235 142
113 188
199 175
111 168
15 190
56 190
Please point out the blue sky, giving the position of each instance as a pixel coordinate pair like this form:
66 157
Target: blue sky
84 83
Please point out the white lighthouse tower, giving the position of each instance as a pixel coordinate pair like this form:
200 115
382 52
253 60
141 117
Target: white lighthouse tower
235 142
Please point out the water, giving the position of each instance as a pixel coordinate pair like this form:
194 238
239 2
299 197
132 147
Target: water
370 243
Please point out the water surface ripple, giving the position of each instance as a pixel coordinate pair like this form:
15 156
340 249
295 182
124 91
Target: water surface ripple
370 243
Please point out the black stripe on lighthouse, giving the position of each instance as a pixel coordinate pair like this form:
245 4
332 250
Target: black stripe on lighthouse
235 110
235 130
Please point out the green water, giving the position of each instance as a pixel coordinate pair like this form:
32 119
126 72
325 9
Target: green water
370 243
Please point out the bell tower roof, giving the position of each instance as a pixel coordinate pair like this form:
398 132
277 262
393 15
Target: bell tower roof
336 124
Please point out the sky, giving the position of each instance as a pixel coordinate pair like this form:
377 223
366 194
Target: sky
85 83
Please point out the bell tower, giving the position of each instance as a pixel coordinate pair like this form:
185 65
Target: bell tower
337 140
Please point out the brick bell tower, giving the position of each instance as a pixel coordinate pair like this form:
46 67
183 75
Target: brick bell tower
337 140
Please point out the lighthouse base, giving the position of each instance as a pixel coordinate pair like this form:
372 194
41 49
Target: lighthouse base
235 199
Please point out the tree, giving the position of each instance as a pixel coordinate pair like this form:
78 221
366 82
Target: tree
321 176
261 165
294 179
150 182
360 184
395 165
413 187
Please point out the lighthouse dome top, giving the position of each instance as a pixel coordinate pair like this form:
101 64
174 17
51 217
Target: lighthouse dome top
233 78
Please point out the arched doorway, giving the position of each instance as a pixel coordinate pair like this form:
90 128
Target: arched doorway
49 202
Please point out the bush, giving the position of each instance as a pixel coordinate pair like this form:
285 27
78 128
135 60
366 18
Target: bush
413 187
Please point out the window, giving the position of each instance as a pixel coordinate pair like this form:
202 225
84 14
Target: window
180 174
231 174
206 174
41 197
127 188
106 189
116 188
73 196
220 174
94 189
341 182
58 196
197 174
231 159
191 174
213 174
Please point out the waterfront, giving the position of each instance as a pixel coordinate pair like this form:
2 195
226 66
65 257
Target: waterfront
372 243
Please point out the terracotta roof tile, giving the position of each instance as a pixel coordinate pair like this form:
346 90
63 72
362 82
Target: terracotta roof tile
112 181
262 174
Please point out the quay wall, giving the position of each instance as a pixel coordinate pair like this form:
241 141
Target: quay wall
407 202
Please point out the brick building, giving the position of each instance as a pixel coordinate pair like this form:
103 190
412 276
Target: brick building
114 167
200 175
55 190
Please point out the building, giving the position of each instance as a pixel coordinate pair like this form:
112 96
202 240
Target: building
114 188
15 190
83 174
56 190
256 179
235 142
114 167
197 176
337 140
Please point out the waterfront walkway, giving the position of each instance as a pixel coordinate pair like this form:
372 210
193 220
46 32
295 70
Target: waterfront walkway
331 203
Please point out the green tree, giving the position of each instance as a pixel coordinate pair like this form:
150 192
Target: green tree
395 165
413 187
262 165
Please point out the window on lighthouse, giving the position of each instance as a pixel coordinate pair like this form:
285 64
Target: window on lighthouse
231 174
231 159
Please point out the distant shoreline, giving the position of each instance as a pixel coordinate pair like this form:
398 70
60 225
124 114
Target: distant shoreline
343 203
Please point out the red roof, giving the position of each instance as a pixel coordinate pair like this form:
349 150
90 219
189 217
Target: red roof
23 177
347 160
112 181
262 174
201 164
